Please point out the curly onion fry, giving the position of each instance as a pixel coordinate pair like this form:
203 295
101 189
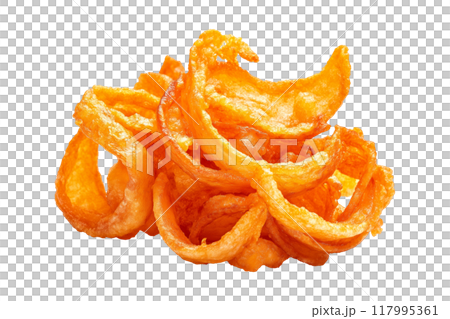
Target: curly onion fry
255 205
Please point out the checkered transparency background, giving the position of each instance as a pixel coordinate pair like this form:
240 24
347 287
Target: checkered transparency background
52 52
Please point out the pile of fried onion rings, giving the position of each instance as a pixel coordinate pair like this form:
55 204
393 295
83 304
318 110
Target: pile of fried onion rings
223 165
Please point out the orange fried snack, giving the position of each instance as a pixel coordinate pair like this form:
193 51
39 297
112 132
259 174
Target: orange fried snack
81 195
224 166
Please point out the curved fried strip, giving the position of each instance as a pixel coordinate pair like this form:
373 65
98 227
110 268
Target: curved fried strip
81 196
357 150
245 136
293 248
376 197
363 154
100 121
335 247
246 230
172 68
262 253
364 218
195 194
179 129
111 116
299 218
218 216
127 101
312 171
117 182
222 180
321 200
344 244
290 178
383 181
285 108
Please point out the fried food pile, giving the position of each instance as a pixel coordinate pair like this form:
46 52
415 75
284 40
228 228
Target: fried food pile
223 165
